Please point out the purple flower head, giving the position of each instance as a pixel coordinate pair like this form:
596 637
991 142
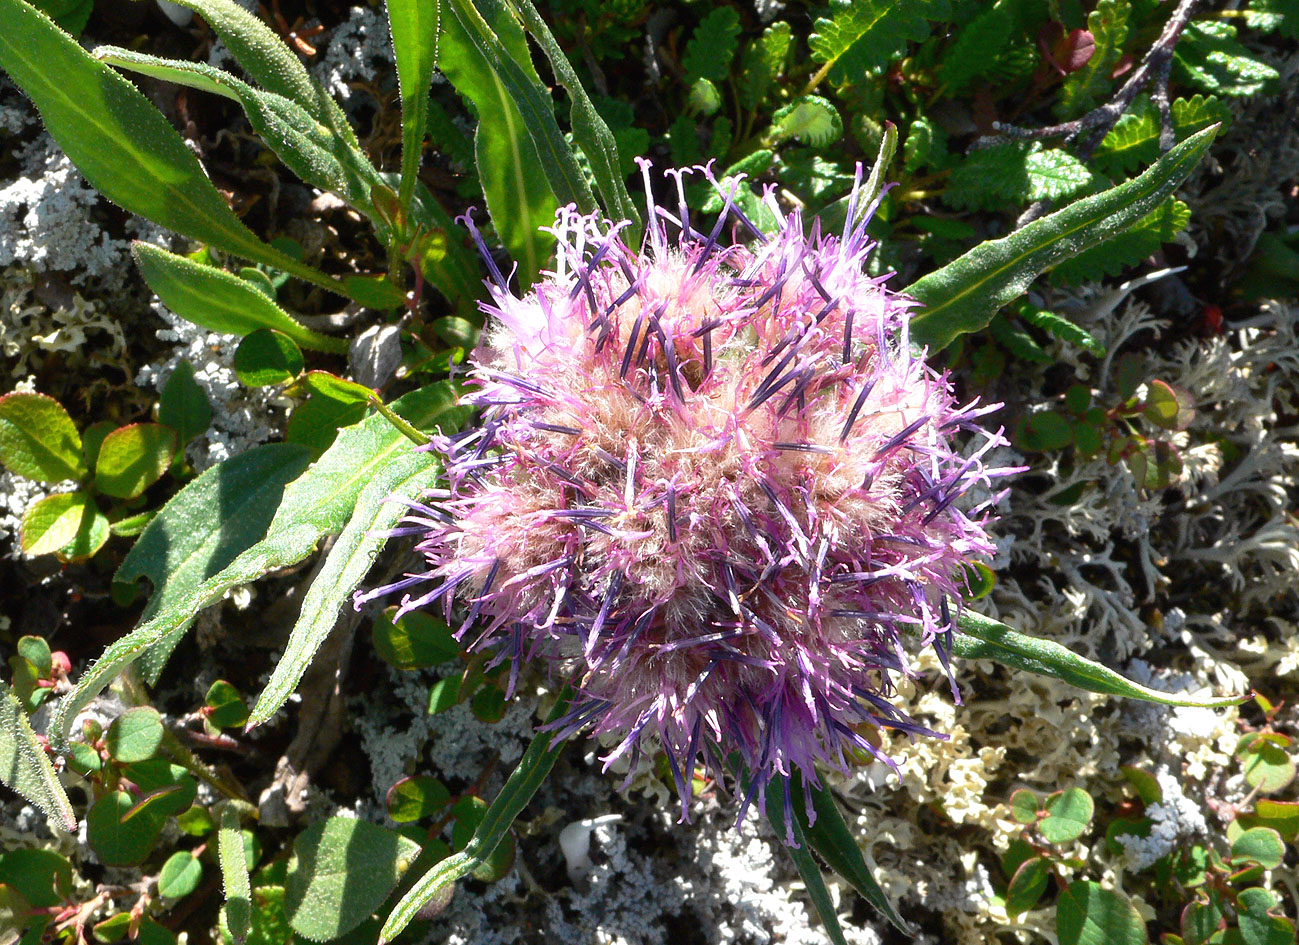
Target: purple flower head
713 486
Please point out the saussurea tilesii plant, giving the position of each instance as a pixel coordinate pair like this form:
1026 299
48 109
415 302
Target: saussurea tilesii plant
714 486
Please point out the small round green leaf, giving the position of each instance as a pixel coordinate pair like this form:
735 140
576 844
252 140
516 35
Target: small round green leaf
180 875
113 929
133 458
979 580
267 357
183 405
42 876
1067 815
1047 431
1258 926
342 869
119 834
69 525
135 734
488 705
36 650
226 707
1024 806
1258 845
1268 766
443 694
468 813
1088 914
1200 921
1027 885
416 641
1077 399
38 439
167 789
92 438
412 799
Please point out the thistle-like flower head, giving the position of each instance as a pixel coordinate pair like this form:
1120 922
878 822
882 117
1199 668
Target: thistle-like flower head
714 486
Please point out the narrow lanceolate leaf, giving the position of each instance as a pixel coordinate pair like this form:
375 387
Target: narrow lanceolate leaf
347 562
120 142
414 25
24 766
234 875
830 837
317 504
527 777
307 148
965 294
517 188
220 301
808 869
982 638
590 131
204 527
534 103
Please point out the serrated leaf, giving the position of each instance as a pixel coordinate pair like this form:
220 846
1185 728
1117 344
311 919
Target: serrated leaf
712 45
342 870
319 503
220 301
1083 88
1270 16
1209 56
234 875
515 184
24 766
1014 172
38 439
762 62
1143 239
1055 174
134 457
965 294
968 57
309 149
121 144
984 638
183 405
925 145
1134 139
861 36
810 119
206 525
1062 328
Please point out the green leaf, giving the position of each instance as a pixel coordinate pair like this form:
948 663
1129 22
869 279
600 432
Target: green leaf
1267 765
1144 238
969 57
134 457
180 875
1062 328
220 301
38 439
121 144
1209 56
1027 885
341 871
1088 914
169 790
414 25
533 100
24 766
135 735
1134 139
36 650
69 525
1046 432
762 63
315 424
15 915
70 15
412 799
926 145
810 119
602 150
205 526
862 36
416 641
830 837
405 473
1200 921
42 876
1273 16
1258 926
1260 845
234 875
319 503
1024 806
1014 172
965 294
267 357
514 181
1068 814
795 842
443 694
1085 87
985 638
119 834
226 707
183 405
1281 816
308 148
523 782
712 45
